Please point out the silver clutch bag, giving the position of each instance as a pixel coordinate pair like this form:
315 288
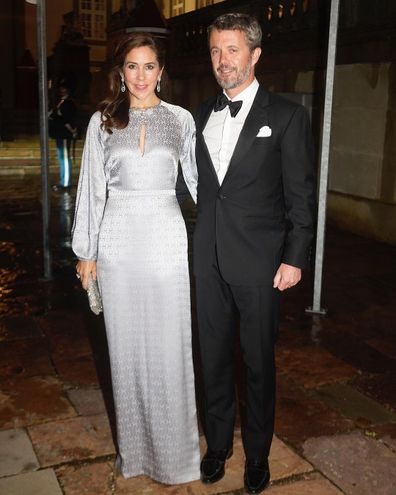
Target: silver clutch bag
94 297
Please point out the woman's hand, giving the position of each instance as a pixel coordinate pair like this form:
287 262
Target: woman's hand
84 269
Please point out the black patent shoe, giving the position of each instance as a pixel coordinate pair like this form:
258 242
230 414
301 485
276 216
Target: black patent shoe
212 465
257 475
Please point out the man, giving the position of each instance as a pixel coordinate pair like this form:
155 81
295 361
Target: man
62 128
255 223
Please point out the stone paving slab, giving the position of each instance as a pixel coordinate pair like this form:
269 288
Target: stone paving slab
15 302
98 479
19 327
295 332
352 349
379 387
284 463
316 485
38 483
387 434
63 346
87 401
87 479
28 357
67 334
300 415
80 371
384 345
358 465
28 401
355 405
72 440
312 366
16 453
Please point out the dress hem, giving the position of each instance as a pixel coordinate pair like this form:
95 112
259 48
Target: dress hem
175 481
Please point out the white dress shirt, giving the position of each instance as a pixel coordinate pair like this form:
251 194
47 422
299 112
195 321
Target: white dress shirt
222 131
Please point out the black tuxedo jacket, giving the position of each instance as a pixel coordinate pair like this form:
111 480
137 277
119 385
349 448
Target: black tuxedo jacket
263 213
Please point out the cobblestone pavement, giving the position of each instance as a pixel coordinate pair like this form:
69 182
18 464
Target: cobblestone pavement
336 401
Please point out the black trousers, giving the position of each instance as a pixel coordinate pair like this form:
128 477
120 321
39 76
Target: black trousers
218 305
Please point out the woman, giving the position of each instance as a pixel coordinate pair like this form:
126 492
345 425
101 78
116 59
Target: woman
129 231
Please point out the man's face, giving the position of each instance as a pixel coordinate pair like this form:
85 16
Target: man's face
63 91
233 62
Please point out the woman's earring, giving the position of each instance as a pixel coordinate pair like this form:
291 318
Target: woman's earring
158 85
123 88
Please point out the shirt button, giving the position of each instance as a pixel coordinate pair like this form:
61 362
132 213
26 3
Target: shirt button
221 196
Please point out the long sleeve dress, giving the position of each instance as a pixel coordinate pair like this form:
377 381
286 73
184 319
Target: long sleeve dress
128 219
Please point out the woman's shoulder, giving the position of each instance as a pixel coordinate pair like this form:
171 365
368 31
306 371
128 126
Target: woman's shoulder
95 121
94 128
96 118
181 113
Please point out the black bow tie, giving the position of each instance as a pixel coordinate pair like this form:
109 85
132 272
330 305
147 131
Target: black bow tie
222 101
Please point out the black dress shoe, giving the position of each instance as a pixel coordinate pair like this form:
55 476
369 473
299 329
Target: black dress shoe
257 475
212 465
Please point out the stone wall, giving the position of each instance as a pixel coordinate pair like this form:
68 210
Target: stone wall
363 152
362 167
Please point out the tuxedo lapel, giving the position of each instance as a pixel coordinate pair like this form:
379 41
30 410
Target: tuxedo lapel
204 114
254 120
201 123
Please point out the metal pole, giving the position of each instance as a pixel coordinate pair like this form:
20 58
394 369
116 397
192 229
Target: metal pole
324 162
43 99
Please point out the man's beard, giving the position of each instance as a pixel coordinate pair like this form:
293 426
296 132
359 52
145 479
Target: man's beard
238 77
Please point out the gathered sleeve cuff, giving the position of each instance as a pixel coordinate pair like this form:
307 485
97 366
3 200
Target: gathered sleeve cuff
91 194
187 156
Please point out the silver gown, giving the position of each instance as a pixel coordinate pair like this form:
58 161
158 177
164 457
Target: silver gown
128 219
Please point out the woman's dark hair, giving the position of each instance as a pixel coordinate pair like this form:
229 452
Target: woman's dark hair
115 108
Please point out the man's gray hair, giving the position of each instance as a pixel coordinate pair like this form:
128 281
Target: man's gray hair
234 21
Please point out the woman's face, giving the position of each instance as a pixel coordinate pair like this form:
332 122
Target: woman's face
141 72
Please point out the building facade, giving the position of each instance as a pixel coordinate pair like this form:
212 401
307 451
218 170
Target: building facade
362 174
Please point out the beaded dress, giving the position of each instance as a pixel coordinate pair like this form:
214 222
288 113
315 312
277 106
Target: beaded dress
127 218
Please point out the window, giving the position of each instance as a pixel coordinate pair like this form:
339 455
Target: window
203 3
93 19
177 7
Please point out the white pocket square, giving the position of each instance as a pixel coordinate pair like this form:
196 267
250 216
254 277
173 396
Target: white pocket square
265 131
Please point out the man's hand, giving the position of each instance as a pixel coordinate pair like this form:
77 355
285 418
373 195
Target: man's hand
287 276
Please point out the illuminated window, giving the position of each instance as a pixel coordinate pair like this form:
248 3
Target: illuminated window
177 7
93 19
203 3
